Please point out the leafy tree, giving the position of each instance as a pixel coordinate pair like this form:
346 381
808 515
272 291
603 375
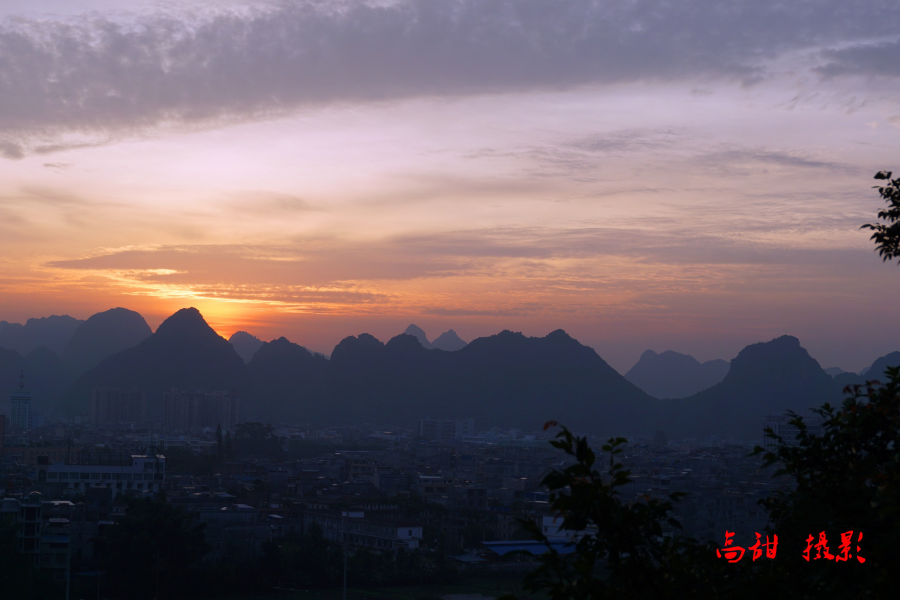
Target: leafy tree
257 439
619 547
887 235
155 546
304 561
847 479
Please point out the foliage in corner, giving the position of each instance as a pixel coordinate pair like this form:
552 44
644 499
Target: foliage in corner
618 549
847 478
887 235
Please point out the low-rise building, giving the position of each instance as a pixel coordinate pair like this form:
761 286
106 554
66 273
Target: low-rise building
353 529
121 473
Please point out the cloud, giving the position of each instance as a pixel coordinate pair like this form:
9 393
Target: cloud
752 160
267 203
881 59
97 76
501 251
628 140
11 150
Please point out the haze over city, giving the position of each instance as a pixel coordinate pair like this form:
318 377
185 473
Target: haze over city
688 176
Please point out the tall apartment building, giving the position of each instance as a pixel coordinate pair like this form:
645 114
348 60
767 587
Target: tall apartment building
110 405
184 409
20 406
446 430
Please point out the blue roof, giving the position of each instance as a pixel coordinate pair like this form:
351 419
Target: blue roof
531 547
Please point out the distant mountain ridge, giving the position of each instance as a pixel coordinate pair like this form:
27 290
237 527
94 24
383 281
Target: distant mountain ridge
52 332
245 344
447 341
764 378
873 372
674 375
184 352
506 379
102 335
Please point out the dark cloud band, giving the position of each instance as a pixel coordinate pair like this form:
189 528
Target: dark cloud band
96 76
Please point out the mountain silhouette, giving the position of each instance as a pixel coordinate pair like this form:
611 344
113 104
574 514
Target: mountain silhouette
674 375
417 333
448 341
874 372
283 378
502 380
51 332
102 335
184 352
245 344
764 378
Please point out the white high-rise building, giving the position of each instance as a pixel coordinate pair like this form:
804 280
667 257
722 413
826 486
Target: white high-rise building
20 406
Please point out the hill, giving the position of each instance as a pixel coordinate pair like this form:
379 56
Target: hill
418 333
51 332
284 378
502 380
245 344
674 375
764 378
449 342
102 335
875 371
184 352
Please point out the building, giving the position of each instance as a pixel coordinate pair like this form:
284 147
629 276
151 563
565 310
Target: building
34 455
446 430
354 530
54 534
121 473
111 405
2 432
28 538
184 409
20 406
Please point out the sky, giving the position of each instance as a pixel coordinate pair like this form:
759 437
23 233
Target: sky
645 175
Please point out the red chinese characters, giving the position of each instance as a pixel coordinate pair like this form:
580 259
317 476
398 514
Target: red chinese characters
733 553
770 546
821 547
